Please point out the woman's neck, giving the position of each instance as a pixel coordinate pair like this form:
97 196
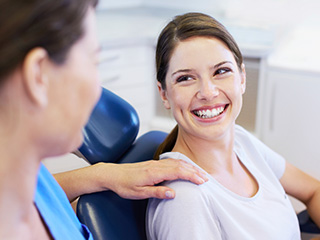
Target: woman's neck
19 162
217 157
210 154
18 176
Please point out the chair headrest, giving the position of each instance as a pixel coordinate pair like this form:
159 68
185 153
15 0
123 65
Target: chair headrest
111 129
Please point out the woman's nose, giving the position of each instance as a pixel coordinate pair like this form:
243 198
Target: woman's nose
207 90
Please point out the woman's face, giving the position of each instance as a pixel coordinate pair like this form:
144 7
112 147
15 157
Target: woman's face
74 88
204 87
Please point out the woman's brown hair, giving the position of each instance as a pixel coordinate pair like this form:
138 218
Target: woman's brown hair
54 25
181 28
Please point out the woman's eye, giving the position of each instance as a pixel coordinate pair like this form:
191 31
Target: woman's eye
221 71
184 78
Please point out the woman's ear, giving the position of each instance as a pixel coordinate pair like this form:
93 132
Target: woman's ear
163 95
35 80
243 78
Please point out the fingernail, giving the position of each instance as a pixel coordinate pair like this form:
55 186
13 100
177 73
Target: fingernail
169 194
205 177
201 180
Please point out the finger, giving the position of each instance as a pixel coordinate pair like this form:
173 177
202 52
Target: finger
185 164
190 176
179 173
160 192
203 174
182 170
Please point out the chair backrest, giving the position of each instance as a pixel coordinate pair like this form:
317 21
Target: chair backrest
109 137
111 129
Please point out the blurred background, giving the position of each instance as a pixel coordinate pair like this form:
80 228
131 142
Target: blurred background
280 43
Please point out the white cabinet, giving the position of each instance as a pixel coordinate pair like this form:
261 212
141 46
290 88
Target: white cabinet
291 117
128 71
289 114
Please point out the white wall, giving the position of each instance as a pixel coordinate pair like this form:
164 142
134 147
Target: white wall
216 6
108 4
281 14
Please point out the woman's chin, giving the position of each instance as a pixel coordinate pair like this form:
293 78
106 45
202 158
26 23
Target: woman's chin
78 142
73 145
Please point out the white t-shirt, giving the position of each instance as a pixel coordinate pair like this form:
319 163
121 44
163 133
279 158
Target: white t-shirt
211 211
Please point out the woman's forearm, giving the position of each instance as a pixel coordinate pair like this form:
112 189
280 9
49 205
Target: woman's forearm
132 180
82 181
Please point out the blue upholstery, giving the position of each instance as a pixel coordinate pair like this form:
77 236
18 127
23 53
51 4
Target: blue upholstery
110 136
306 223
111 129
109 216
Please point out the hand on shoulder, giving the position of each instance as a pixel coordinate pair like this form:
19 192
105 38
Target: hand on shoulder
138 180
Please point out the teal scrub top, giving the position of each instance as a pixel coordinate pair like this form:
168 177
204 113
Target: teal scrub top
56 211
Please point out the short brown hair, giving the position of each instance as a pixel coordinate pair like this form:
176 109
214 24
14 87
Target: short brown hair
54 25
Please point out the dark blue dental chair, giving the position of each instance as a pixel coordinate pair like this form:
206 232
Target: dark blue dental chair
110 136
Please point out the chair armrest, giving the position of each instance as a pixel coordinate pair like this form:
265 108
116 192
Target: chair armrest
307 225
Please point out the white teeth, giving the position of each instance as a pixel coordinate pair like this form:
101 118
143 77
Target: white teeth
209 113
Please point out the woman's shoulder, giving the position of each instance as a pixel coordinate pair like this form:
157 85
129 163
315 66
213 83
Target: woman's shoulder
191 200
186 189
188 196
183 187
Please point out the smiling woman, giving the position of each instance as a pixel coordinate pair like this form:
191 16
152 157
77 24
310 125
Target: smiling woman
201 79
186 27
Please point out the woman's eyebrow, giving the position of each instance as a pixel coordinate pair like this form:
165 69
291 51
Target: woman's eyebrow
181 71
221 63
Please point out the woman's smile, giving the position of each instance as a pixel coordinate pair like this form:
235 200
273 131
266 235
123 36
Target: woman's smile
209 113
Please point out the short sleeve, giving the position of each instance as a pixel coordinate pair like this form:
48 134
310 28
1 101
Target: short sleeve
188 216
55 209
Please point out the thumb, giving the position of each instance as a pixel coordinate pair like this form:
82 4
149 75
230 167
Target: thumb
159 192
